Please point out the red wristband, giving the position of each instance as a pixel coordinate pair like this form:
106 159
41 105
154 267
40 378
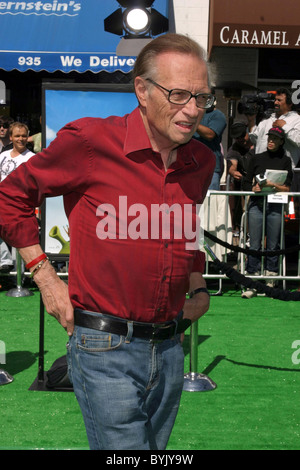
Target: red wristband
35 261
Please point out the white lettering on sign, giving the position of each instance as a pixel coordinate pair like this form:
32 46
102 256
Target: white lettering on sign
68 61
56 8
298 41
259 38
113 61
96 61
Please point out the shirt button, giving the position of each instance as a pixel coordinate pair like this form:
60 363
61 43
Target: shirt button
166 245
164 278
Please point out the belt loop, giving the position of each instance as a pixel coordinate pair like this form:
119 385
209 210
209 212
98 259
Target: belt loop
129 331
177 320
176 325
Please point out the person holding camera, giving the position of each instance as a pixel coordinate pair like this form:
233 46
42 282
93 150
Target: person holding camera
274 158
237 161
284 117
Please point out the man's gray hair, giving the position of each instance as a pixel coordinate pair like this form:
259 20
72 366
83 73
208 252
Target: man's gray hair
145 64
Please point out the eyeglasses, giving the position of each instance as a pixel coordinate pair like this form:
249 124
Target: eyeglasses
178 96
4 125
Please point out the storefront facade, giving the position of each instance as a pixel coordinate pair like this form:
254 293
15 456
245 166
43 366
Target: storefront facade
252 46
87 41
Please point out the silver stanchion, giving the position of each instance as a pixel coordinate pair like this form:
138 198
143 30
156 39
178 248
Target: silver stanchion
19 291
5 377
194 381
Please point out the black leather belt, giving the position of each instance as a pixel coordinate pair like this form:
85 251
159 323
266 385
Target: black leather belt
119 326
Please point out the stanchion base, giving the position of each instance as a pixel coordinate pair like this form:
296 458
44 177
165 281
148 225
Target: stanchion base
5 377
194 382
19 292
40 384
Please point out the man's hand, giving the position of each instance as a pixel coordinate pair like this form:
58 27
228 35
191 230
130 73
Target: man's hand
279 123
256 188
54 291
55 295
237 175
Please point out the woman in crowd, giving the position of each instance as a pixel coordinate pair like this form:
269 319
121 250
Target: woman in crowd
274 158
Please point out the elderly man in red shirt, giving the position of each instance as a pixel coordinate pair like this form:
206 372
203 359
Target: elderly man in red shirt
125 304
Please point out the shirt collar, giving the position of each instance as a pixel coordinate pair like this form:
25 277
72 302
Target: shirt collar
137 139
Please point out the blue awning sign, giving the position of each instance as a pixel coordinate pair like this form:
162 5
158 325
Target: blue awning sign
62 35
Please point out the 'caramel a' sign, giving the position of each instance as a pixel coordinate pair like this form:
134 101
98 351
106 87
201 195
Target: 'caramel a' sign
236 35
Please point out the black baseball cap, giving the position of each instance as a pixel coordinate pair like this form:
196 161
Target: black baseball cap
278 131
238 129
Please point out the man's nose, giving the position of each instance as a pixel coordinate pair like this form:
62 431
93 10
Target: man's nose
192 108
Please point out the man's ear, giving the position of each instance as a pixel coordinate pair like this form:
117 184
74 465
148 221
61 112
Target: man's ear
141 90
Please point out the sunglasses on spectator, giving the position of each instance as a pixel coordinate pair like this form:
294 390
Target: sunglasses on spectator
5 125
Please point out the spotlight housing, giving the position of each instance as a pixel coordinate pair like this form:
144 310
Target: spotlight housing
136 19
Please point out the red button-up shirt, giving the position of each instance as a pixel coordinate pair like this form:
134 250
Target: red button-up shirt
111 179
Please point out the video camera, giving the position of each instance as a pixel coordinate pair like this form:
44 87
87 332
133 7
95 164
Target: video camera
261 104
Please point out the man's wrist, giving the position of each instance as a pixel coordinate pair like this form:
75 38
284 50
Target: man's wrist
38 266
198 291
45 275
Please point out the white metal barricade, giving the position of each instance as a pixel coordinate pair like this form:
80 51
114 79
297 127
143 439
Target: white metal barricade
222 219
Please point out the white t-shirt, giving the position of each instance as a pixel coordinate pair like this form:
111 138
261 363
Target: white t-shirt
9 164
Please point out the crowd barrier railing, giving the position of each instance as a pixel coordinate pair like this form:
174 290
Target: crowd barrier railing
219 234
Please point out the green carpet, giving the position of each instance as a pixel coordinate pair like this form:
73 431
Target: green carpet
245 346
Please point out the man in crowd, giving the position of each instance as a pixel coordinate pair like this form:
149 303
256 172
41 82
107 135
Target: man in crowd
210 132
126 295
9 160
284 117
5 142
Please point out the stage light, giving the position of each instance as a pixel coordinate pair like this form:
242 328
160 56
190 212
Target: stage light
136 19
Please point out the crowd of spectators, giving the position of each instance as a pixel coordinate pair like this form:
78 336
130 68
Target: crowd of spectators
260 144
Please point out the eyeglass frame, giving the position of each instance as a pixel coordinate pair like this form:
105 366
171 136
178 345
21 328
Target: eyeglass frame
5 125
210 95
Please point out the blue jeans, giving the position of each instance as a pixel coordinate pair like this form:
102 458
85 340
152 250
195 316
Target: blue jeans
128 389
272 231
215 182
